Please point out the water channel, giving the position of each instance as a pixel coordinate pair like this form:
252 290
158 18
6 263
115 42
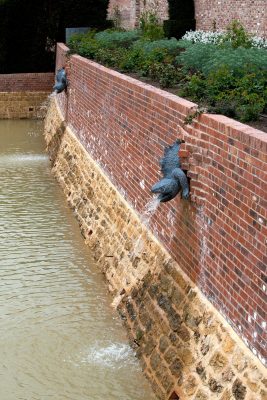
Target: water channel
59 337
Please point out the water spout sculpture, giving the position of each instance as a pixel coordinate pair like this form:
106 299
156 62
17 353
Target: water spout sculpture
61 81
174 179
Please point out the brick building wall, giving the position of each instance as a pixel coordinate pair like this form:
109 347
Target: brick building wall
219 236
251 13
128 12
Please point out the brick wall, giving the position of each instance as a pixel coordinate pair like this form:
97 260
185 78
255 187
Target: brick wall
218 237
187 350
251 13
34 82
24 95
128 12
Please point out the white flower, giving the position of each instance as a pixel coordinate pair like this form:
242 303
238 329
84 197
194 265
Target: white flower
208 37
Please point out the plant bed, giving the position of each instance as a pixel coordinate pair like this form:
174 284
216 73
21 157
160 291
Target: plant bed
223 73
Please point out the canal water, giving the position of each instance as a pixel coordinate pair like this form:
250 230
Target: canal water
59 337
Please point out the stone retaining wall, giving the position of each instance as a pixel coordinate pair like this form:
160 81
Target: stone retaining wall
24 95
186 348
20 105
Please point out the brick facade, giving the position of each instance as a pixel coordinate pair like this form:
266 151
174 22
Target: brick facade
251 13
219 237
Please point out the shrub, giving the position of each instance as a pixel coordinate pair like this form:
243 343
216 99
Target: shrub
113 38
150 26
166 74
172 46
110 57
203 37
243 96
208 57
237 36
219 38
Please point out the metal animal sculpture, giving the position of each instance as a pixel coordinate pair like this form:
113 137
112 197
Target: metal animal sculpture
174 179
61 81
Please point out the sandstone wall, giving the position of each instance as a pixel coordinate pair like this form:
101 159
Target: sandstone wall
18 105
24 95
186 348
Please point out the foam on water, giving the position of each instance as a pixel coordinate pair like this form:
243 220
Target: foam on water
7 159
113 355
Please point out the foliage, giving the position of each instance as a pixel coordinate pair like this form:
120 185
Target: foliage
259 42
207 57
203 37
220 38
237 36
113 38
166 74
242 96
150 26
110 57
133 59
172 46
227 80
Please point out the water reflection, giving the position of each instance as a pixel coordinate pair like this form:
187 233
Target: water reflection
59 338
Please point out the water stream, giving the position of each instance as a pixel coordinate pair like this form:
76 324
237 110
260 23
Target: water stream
145 217
59 337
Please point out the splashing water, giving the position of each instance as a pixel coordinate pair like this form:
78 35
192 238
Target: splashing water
149 210
146 215
15 159
114 355
44 105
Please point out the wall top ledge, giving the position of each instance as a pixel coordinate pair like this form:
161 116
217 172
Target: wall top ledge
222 122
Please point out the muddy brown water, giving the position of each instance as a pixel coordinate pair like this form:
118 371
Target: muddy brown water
59 337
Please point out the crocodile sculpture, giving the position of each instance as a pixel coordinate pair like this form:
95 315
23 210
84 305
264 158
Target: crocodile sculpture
61 81
174 179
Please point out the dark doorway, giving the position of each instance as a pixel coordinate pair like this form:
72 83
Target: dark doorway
181 18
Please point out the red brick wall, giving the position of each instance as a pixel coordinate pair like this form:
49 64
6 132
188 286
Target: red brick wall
128 10
251 13
34 82
219 236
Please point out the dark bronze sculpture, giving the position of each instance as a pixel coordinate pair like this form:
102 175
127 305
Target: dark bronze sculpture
61 81
174 179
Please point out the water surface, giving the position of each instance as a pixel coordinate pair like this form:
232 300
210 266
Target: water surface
59 337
